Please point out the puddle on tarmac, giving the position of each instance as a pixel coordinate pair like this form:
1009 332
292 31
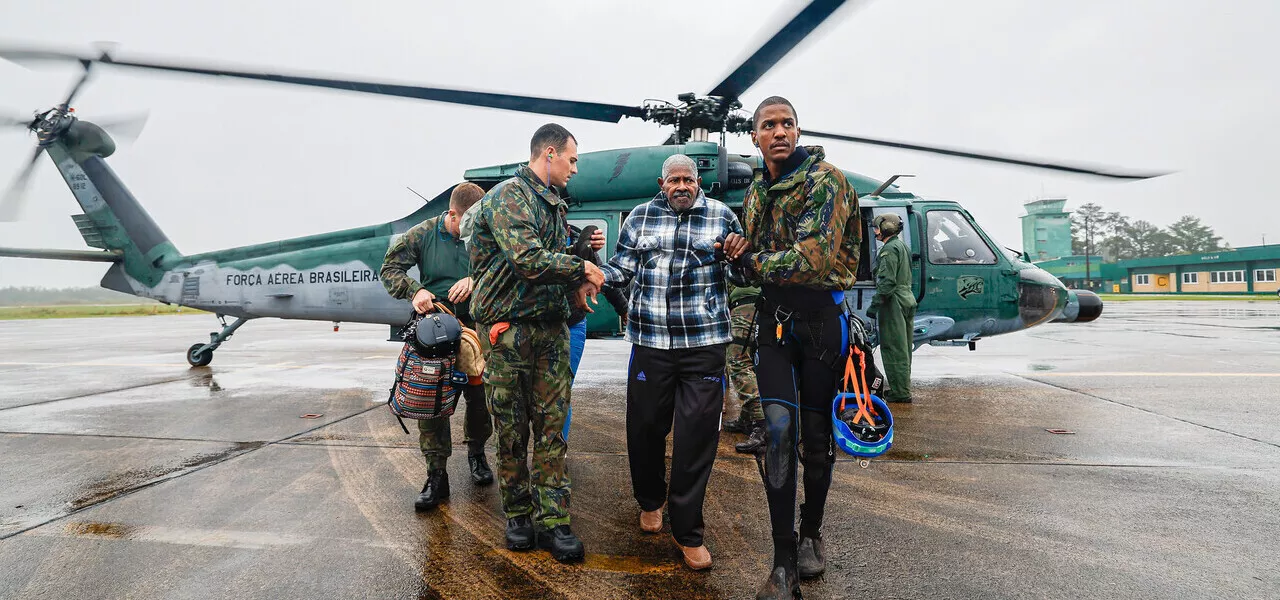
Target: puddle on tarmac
107 530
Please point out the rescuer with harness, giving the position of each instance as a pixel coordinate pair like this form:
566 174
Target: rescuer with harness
803 226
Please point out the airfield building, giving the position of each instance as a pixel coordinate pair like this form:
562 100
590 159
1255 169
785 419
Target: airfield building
1247 270
1046 229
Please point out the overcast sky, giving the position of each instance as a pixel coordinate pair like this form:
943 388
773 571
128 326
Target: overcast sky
1180 85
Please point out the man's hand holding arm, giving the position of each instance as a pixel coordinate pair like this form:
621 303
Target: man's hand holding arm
461 290
593 281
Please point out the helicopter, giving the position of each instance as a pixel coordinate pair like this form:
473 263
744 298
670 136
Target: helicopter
968 287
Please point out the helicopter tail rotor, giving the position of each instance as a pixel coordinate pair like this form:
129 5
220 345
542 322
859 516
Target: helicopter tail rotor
48 126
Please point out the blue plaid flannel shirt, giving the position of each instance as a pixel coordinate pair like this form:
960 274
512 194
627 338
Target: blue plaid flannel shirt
678 295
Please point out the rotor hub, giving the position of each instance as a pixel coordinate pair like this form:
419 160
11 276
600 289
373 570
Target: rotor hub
692 113
52 124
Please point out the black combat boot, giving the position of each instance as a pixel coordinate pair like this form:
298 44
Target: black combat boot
754 442
738 425
781 585
435 490
563 545
480 472
812 560
520 533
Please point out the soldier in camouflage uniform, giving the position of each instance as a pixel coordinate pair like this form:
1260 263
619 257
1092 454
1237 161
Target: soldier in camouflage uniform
434 246
519 253
742 304
804 228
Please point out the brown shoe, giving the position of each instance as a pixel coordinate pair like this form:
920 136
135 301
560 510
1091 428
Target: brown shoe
697 558
651 520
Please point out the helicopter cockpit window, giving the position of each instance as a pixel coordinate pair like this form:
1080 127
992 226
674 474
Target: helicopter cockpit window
953 241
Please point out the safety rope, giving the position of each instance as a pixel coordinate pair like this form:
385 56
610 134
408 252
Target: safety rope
861 393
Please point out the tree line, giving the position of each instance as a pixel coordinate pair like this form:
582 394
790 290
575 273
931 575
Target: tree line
1116 237
43 296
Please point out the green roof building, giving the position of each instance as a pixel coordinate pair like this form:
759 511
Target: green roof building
1248 270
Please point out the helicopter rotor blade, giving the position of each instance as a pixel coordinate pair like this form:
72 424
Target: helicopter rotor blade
592 111
1082 169
15 196
126 128
8 121
776 47
84 77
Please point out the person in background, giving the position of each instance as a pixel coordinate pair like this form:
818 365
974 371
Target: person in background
435 247
742 307
584 244
894 306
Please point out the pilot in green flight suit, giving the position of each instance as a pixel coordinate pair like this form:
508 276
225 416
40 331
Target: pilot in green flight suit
894 305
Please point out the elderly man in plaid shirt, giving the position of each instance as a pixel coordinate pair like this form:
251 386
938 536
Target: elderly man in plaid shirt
675 253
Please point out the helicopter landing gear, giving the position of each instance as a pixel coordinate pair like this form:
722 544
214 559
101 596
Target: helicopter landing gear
199 355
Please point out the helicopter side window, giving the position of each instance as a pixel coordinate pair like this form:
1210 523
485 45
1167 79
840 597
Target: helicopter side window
953 241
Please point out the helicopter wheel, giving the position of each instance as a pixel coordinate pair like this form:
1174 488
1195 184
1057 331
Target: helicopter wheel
196 358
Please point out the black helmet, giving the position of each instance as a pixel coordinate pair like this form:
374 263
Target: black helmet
582 248
435 335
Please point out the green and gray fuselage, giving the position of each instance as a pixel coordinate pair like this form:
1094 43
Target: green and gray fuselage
967 286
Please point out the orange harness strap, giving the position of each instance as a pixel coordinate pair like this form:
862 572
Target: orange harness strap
851 379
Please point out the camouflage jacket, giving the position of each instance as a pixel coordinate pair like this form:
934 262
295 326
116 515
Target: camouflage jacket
519 253
805 229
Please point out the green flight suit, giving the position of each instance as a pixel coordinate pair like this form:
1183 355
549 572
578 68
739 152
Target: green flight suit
894 305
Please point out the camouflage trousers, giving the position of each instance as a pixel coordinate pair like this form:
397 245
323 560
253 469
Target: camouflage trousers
527 381
741 368
436 440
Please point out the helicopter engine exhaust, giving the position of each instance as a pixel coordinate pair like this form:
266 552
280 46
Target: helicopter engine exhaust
1083 306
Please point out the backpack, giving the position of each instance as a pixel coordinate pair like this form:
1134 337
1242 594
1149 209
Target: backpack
428 381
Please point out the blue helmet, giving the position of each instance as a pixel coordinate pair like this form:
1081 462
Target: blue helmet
856 437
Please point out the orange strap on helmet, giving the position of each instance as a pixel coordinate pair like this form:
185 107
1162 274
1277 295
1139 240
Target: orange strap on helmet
850 378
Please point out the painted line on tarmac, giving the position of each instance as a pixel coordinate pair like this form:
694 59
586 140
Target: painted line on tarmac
120 436
1147 374
1145 410
98 392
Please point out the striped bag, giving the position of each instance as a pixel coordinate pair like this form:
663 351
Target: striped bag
425 388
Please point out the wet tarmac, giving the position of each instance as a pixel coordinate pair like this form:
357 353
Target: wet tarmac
125 473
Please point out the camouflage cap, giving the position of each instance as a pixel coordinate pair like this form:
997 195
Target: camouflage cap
888 223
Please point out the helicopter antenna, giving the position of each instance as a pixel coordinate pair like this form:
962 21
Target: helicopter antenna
415 193
884 186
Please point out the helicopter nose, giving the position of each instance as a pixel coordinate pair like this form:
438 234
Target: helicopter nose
1040 296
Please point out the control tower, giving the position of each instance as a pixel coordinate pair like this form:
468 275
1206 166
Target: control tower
1046 229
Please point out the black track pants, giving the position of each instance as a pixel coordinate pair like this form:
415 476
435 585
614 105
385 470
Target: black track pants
685 386
797 383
